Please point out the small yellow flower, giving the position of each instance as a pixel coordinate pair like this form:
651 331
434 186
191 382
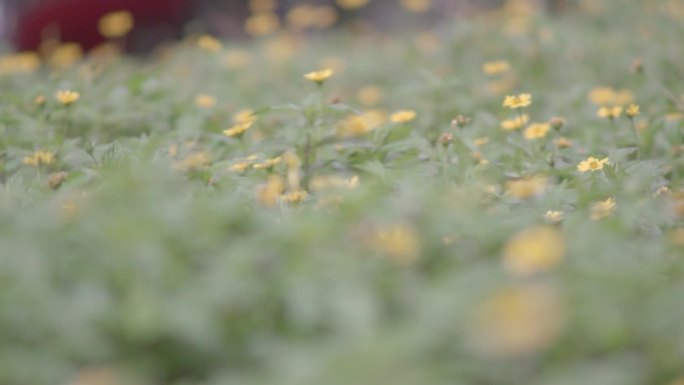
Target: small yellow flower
240 166
515 123
354 126
416 6
562 142
267 164
609 112
205 101
398 241
526 188
517 101
294 196
209 43
197 160
369 95
238 129
591 164
554 216
602 209
403 116
352 4
632 111
534 250
536 131
496 67
40 158
262 23
319 77
115 24
67 97
39 100
479 142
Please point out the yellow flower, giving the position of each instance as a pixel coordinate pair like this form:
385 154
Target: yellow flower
40 158
534 250
268 193
517 101
516 123
526 188
67 97
22 62
602 96
496 67
205 101
591 164
352 4
294 196
609 112
194 161
115 24
554 216
240 166
416 6
238 129
536 131
244 116
64 55
267 164
632 111
403 116
369 95
677 238
319 76
398 241
481 141
262 23
518 320
602 209
39 100
562 142
353 126
209 43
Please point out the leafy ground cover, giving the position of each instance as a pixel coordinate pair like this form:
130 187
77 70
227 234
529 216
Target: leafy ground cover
494 201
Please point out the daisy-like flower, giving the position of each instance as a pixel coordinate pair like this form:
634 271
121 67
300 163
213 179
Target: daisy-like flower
205 101
267 164
536 131
609 112
516 123
319 77
209 43
517 101
238 129
632 111
591 164
403 116
562 142
602 209
115 24
39 158
67 97
496 67
554 216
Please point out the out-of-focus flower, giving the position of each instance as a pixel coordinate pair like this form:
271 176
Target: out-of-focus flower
554 216
403 116
205 101
319 77
67 97
609 112
40 158
194 161
562 142
632 111
22 62
526 188
534 250
515 123
517 101
416 6
399 241
115 24
237 130
352 4
592 164
496 67
209 43
536 131
262 23
369 95
602 209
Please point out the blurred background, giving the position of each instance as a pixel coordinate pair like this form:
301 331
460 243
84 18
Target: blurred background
34 24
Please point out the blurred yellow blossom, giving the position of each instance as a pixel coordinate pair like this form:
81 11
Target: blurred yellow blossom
209 43
319 76
237 130
609 112
515 123
22 62
262 23
496 67
562 142
591 164
67 97
267 164
526 188
518 320
369 95
416 6
602 209
517 101
197 160
40 158
554 216
115 24
632 111
534 250
352 4
399 241
205 101
536 131
403 116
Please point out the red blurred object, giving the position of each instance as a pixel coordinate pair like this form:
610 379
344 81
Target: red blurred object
77 20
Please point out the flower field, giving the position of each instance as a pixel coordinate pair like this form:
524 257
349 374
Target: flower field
491 201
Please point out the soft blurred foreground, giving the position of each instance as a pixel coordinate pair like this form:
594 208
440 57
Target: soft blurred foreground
498 200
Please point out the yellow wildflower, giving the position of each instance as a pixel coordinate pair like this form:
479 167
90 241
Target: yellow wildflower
267 164
602 96
609 112
416 6
562 142
67 97
496 67
240 166
205 101
319 77
398 241
517 101
262 23
269 193
554 216
526 188
197 160
294 196
209 43
403 116
481 141
369 95
115 24
534 250
237 130
352 4
515 123
40 158
518 320
602 209
262 5
536 131
591 164
39 100
22 62
353 126
632 111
